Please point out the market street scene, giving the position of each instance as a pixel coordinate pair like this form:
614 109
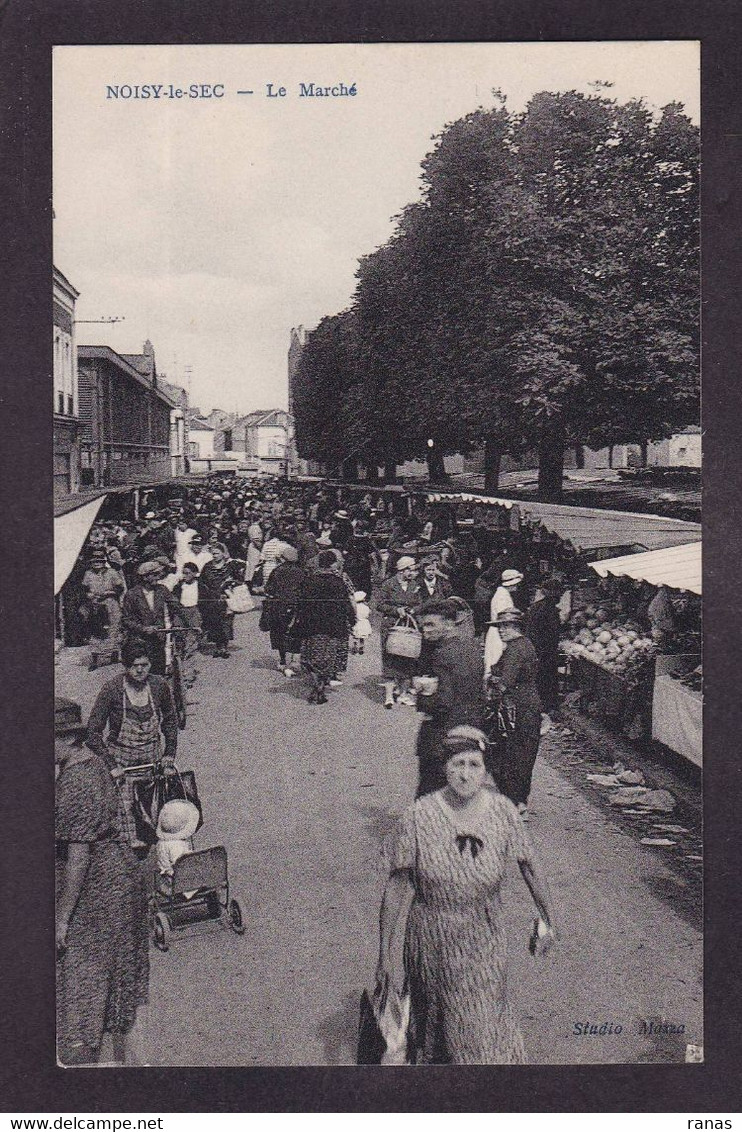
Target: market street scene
378 712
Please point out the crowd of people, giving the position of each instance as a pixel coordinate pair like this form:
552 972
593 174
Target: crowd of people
469 635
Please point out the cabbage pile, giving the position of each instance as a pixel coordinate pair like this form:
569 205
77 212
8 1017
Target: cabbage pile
621 649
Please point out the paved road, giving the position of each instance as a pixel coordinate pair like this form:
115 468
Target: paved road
303 796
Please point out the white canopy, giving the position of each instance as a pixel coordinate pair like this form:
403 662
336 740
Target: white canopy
677 566
70 532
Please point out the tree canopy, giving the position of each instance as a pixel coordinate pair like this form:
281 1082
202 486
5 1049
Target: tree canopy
543 292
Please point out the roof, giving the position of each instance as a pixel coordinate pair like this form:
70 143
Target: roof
140 362
678 567
198 424
63 281
261 418
105 353
591 528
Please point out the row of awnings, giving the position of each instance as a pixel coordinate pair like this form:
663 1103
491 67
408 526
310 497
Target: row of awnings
668 550
678 567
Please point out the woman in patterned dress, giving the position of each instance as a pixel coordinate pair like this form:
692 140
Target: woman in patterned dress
447 866
101 922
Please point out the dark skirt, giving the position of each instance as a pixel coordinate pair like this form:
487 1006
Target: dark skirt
281 619
321 655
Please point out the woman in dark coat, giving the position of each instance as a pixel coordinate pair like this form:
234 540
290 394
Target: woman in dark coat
515 677
326 616
542 626
359 557
282 597
217 578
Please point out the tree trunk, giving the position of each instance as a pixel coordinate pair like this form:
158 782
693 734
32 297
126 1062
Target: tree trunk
436 467
390 468
551 461
492 461
610 455
644 449
349 470
579 456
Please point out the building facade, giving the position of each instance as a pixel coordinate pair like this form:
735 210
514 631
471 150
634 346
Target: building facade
125 417
65 384
257 442
681 450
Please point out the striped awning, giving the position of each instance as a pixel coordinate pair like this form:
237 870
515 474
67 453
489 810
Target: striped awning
591 528
70 531
678 567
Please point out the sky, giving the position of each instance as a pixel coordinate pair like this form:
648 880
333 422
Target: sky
214 226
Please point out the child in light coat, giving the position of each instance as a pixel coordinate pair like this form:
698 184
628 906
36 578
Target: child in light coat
362 628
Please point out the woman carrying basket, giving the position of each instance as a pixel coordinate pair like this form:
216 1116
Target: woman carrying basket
398 598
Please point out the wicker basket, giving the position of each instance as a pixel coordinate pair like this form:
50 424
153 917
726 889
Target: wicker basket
405 639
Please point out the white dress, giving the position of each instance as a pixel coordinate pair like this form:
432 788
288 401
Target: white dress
493 646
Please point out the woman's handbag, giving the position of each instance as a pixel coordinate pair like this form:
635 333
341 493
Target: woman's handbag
239 599
384 1022
405 639
151 794
264 624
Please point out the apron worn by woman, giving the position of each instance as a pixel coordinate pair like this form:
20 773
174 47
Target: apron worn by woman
139 742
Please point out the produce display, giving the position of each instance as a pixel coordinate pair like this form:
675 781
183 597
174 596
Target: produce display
619 648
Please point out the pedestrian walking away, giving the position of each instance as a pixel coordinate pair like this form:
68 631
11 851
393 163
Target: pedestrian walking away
514 679
326 616
281 602
505 597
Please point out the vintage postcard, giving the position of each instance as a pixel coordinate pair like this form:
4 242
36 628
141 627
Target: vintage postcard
377 490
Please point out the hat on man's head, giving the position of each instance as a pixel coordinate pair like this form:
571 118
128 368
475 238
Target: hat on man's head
511 577
150 515
178 820
98 556
290 553
405 562
148 568
507 617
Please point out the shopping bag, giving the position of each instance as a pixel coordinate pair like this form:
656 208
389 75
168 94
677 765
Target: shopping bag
239 599
394 1020
383 1027
151 794
371 1043
405 639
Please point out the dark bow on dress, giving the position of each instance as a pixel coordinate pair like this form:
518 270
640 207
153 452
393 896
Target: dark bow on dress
474 843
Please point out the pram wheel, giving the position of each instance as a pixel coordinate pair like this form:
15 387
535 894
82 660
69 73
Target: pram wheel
162 931
236 918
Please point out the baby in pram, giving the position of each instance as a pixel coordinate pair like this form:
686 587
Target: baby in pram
176 826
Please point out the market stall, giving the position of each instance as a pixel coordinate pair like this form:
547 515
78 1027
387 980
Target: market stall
677 696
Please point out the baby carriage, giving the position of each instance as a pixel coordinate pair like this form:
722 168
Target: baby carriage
198 892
